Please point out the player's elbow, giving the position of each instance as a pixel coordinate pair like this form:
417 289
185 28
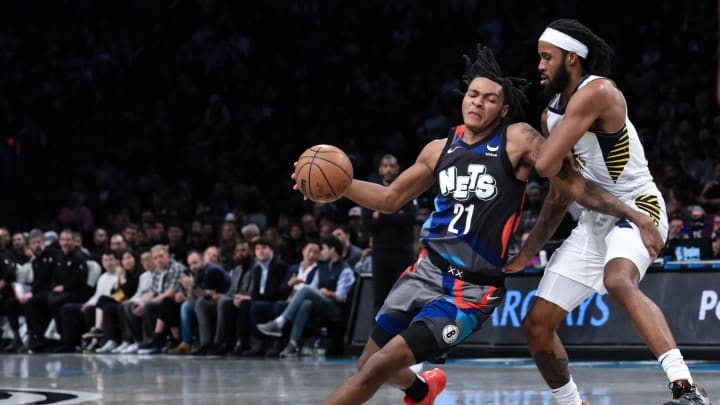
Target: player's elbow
390 203
546 167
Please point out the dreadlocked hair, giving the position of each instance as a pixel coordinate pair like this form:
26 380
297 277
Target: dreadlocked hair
598 58
513 87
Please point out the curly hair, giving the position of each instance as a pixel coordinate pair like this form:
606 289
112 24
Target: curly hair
597 61
485 65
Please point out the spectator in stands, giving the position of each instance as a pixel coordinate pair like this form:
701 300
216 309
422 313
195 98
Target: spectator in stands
310 226
176 241
716 247
99 244
165 283
17 254
226 244
320 300
76 316
294 242
4 239
69 280
357 226
22 287
118 244
208 281
298 276
130 233
215 312
267 276
393 238
250 231
7 292
33 303
129 323
365 264
108 323
78 244
716 226
350 253
271 233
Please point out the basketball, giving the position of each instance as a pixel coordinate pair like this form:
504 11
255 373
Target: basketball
323 173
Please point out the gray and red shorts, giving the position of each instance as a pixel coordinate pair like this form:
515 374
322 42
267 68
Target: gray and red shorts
451 308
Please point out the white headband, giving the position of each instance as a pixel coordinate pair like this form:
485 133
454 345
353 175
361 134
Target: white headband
564 41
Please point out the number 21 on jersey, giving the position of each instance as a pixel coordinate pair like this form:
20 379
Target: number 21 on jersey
458 211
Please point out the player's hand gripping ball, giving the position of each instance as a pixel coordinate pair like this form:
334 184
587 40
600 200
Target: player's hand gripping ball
323 173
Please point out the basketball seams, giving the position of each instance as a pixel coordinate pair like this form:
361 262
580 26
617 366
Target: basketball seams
327 181
331 168
334 164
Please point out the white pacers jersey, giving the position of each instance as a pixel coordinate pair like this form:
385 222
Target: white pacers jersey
615 160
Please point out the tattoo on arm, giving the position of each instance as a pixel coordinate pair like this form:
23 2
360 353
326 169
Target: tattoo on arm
551 215
531 135
598 199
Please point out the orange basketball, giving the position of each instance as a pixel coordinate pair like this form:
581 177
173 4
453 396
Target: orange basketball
323 173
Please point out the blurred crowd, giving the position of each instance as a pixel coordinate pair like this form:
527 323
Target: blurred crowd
176 122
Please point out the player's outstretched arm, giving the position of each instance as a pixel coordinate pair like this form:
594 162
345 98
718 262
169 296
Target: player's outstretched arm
412 182
551 215
593 197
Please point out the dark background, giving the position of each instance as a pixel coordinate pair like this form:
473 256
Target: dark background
109 102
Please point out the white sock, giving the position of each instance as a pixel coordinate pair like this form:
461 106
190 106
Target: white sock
674 365
417 368
280 321
567 394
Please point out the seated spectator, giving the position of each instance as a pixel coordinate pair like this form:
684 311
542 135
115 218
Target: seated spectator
160 305
212 312
716 226
250 231
716 247
266 275
365 264
322 299
17 254
7 292
130 327
68 281
350 252
107 320
75 315
262 311
22 285
208 280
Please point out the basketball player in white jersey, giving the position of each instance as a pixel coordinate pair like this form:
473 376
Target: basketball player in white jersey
588 117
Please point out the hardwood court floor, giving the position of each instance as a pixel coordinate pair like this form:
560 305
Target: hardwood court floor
132 379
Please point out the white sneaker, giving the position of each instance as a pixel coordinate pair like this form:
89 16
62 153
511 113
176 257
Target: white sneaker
108 347
131 349
120 348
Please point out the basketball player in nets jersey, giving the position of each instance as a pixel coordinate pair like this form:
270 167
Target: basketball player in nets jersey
457 281
588 117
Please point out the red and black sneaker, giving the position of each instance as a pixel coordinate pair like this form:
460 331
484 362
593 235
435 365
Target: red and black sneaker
435 380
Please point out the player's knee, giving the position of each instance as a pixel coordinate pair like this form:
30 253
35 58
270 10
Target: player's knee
534 327
361 362
378 367
619 286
